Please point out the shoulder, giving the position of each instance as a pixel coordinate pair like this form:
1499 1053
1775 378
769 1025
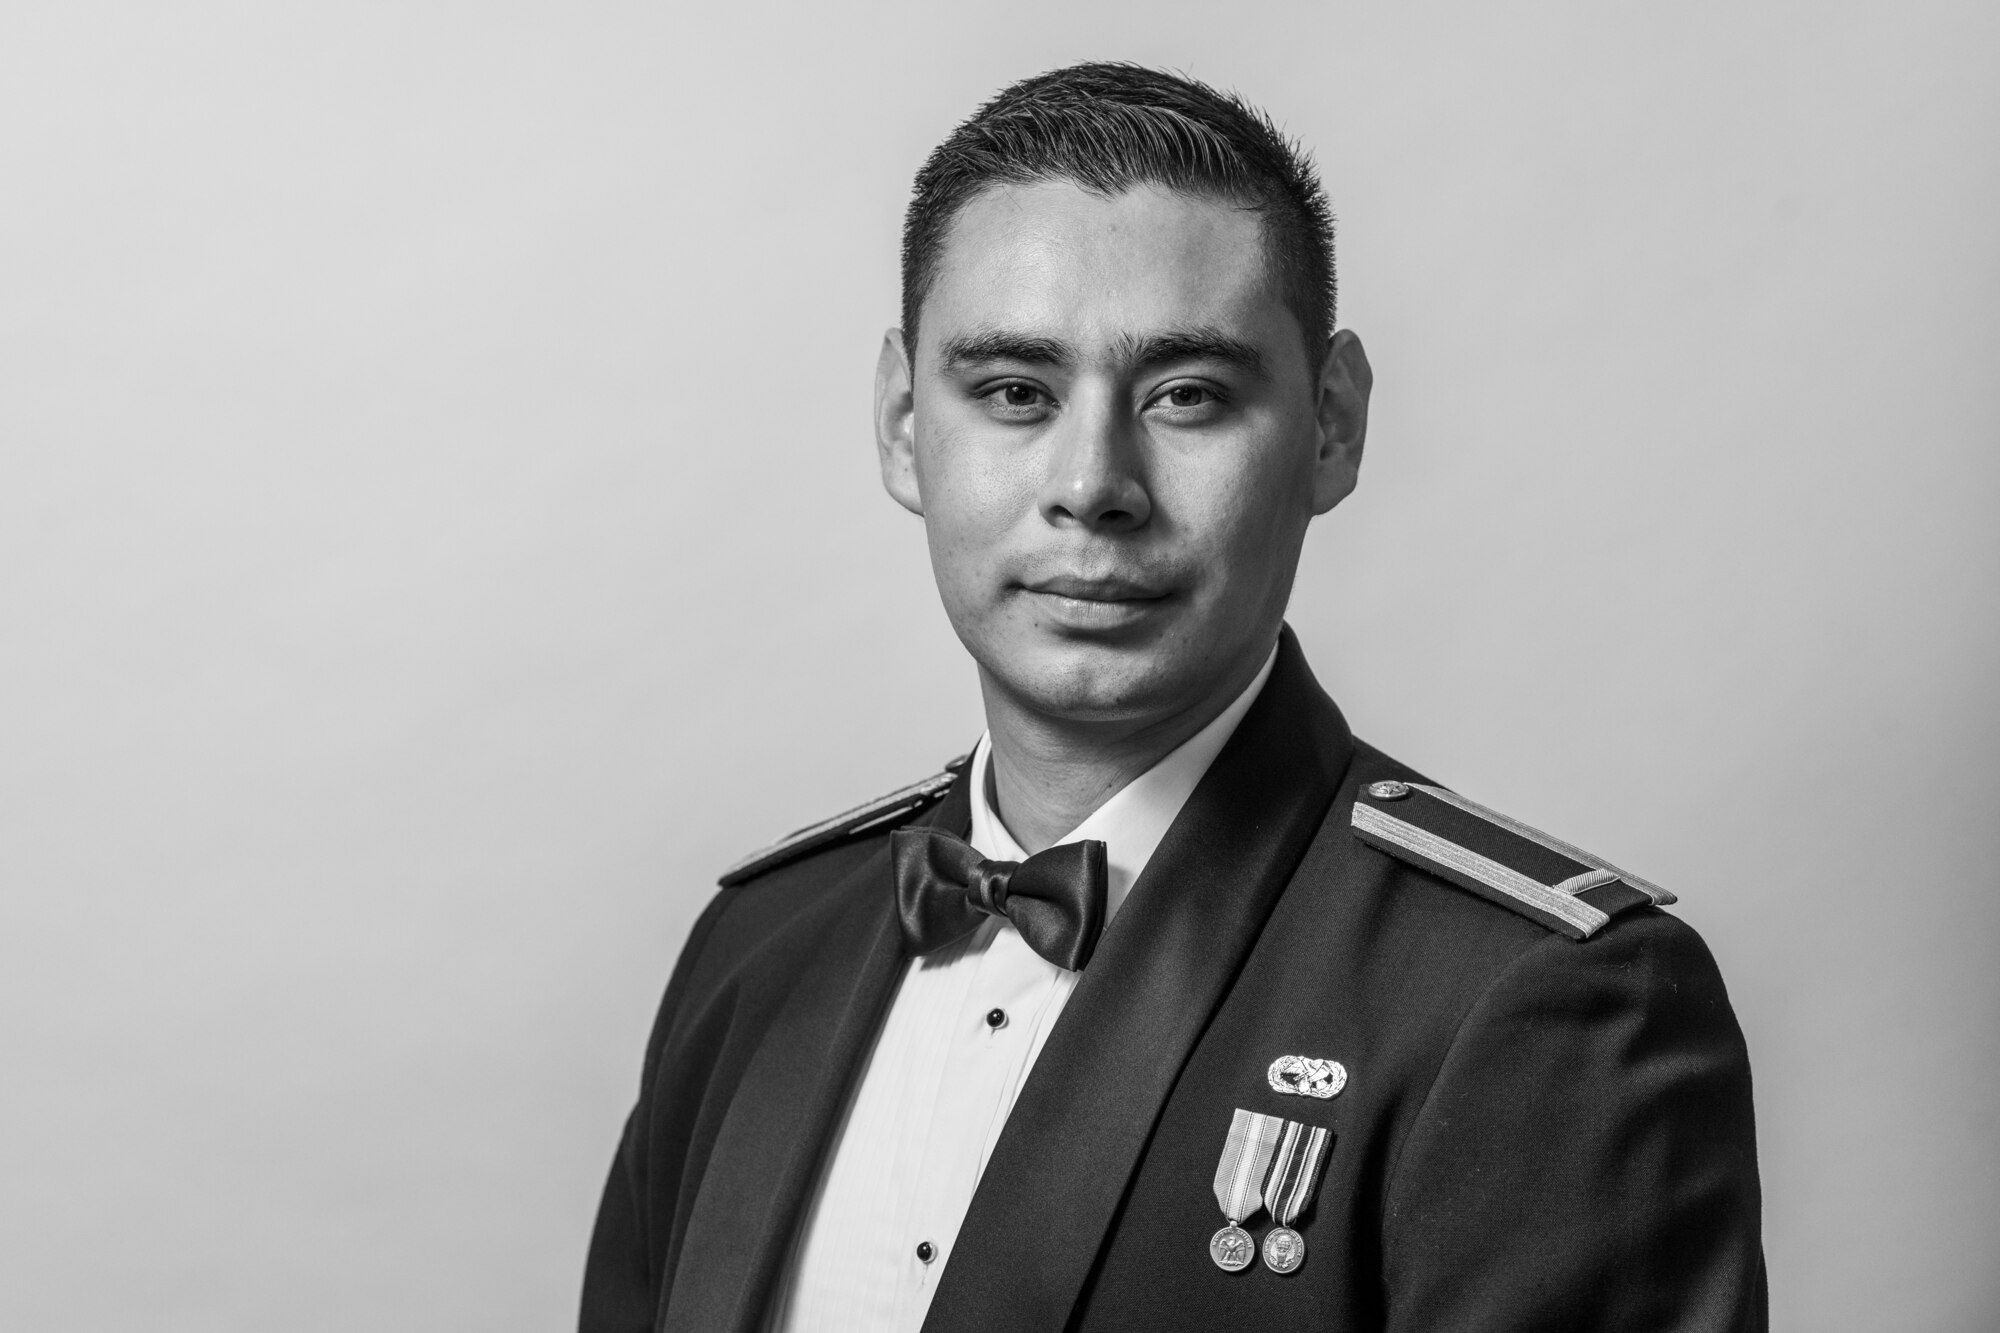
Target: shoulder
1526 957
1412 914
776 901
880 815
1492 856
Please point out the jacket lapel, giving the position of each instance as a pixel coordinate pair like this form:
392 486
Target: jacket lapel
781 1116
1083 1119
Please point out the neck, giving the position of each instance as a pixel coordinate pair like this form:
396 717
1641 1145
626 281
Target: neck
1049 774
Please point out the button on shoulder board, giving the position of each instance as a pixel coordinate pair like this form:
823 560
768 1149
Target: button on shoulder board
1503 860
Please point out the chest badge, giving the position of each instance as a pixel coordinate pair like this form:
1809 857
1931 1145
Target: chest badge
1303 1076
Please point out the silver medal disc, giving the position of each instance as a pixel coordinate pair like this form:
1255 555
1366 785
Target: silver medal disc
1284 1250
1232 1249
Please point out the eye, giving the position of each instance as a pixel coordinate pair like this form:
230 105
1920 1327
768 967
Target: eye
1017 400
1189 402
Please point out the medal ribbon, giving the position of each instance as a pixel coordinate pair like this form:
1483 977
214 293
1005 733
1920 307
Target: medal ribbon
1295 1168
1252 1140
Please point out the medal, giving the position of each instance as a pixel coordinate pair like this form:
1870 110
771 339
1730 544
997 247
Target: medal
1246 1158
1284 1250
1232 1249
1294 1174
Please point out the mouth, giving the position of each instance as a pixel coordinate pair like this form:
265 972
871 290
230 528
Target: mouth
1105 588
1077 602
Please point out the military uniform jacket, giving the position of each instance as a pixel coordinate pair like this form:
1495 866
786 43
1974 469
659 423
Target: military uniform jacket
1537 1131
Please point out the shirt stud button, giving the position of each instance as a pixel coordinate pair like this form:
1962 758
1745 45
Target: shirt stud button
925 1252
996 1018
1388 791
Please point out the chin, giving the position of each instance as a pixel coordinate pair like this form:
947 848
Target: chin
1081 680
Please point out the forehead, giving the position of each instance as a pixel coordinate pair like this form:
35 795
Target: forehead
1059 260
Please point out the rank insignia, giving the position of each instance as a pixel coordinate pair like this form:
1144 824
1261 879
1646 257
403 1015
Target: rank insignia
1502 860
881 814
1303 1076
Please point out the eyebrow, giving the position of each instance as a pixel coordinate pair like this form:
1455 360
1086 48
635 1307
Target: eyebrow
1138 351
1199 343
973 349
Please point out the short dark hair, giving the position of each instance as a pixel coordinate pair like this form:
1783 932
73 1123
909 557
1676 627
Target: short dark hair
1108 127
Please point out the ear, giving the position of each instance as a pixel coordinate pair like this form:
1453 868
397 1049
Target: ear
1344 382
896 422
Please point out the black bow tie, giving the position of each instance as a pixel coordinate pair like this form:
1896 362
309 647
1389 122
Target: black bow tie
944 889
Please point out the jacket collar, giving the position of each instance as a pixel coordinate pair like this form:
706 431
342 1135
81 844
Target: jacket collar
1087 1110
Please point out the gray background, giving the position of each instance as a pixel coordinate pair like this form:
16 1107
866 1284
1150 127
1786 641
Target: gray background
438 531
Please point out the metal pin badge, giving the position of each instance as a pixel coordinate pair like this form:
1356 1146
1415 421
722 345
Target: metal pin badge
1303 1076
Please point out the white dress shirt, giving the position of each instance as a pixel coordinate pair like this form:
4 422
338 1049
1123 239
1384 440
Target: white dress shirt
964 1029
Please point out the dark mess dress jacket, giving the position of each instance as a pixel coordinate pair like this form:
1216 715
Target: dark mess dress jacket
1545 1121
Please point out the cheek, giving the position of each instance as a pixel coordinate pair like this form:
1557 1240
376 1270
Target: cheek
1245 518
972 501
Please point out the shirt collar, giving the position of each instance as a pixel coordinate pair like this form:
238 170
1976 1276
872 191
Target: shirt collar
1135 819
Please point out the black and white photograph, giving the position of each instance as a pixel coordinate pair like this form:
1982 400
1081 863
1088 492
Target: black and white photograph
1094 668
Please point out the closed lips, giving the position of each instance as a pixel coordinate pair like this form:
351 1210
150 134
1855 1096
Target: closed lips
1097 590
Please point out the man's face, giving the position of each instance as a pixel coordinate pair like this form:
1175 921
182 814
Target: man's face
1116 442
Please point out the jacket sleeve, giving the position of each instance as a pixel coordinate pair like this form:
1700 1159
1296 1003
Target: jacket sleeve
623 1273
1586 1158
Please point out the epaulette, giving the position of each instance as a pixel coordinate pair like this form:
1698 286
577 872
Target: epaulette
902 804
1563 887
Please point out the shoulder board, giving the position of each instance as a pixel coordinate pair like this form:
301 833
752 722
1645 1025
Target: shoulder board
899 805
1544 878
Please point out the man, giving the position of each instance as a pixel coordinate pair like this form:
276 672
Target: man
1172 1005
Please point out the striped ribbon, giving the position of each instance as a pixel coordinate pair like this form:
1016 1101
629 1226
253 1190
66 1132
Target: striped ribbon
1295 1168
1252 1140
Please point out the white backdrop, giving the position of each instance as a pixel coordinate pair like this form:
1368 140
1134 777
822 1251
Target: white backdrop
438 532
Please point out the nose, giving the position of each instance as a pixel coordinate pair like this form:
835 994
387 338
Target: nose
1095 478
